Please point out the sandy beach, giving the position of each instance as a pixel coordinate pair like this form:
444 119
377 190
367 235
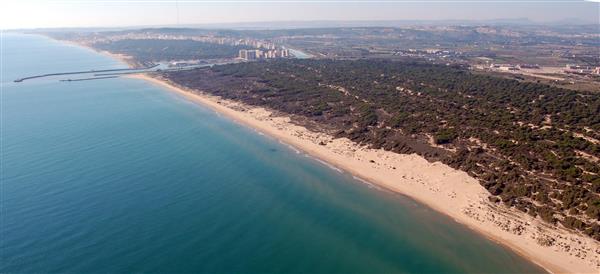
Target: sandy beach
436 185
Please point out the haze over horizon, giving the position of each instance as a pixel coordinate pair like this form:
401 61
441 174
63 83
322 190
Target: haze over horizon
127 13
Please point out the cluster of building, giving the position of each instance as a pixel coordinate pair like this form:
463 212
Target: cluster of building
266 48
259 44
253 54
578 69
427 53
208 38
504 67
570 69
511 67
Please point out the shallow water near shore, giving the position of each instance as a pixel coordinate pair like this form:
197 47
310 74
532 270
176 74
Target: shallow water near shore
119 175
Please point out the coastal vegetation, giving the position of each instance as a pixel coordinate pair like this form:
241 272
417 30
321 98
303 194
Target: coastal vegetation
534 147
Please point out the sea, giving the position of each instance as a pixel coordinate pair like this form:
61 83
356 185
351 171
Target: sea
120 176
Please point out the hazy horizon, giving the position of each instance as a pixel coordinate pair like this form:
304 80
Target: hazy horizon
114 13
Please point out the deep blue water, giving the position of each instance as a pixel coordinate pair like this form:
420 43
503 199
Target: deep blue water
119 175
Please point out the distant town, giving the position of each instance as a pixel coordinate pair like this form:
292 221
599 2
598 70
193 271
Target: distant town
569 68
561 56
253 48
263 54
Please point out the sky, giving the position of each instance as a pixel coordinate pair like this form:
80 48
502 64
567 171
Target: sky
118 13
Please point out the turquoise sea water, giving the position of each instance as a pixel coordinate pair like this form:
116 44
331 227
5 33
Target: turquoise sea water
118 175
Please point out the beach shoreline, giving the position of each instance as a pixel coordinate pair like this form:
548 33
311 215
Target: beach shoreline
444 189
438 186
